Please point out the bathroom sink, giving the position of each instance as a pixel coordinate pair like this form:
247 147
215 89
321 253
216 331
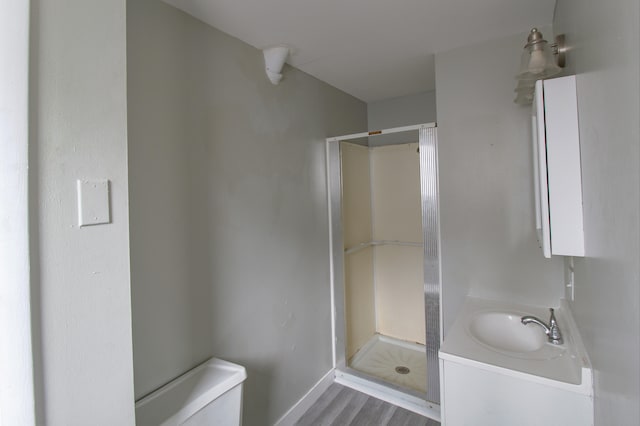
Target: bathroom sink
503 332
489 334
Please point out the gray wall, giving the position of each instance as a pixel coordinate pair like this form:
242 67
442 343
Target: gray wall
402 111
489 248
79 277
229 228
604 40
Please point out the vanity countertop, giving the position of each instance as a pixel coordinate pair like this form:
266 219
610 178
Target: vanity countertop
565 366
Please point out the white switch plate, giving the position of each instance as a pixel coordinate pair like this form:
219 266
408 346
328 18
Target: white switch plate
93 202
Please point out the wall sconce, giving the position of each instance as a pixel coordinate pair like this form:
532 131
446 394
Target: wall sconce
274 59
539 61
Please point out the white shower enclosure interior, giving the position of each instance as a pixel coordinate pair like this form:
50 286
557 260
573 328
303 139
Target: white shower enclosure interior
385 267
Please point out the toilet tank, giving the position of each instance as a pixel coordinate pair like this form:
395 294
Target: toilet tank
209 394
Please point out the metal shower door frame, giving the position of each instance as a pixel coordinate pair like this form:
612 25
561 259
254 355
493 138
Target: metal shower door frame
431 242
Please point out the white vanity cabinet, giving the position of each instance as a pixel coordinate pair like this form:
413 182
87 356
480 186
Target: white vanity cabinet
558 180
477 396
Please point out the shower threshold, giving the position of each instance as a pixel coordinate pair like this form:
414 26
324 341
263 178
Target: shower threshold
388 392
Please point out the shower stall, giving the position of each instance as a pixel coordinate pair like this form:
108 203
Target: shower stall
385 266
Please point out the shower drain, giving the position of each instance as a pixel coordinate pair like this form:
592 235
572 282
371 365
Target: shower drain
401 369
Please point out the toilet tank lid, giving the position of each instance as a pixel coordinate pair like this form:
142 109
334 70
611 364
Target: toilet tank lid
184 396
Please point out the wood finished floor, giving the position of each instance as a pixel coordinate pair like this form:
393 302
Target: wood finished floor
341 406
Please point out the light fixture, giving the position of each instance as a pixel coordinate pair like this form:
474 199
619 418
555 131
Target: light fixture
274 59
539 61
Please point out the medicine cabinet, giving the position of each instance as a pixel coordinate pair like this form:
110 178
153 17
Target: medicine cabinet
556 157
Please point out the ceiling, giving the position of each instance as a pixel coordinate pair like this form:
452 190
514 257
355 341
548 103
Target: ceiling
371 49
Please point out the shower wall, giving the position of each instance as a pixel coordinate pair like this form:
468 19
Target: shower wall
397 216
384 290
358 266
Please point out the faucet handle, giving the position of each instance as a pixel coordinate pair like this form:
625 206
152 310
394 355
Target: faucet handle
555 336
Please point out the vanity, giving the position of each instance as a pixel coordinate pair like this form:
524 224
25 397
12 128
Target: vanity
496 371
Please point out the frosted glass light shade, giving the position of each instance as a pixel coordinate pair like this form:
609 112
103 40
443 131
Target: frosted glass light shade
537 62
524 92
524 85
524 97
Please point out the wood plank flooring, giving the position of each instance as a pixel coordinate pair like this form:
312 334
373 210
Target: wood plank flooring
342 406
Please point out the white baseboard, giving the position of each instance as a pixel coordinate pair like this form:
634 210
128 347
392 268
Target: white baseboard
301 407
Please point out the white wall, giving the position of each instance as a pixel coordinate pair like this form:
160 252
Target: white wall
16 361
80 277
229 227
401 111
604 41
486 182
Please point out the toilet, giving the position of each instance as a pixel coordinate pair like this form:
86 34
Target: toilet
209 394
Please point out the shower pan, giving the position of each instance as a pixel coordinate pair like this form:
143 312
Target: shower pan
385 265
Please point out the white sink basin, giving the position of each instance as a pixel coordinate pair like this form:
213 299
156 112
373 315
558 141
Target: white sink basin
504 332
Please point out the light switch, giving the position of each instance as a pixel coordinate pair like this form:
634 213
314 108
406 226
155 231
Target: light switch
93 202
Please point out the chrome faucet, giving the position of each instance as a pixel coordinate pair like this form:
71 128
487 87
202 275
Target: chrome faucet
552 330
